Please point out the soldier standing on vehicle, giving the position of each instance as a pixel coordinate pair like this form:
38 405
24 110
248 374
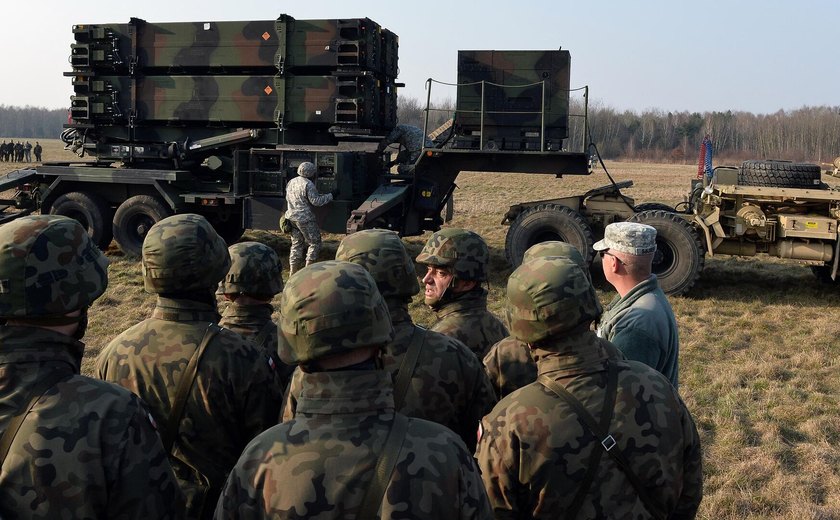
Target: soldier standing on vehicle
593 437
353 455
456 265
412 139
301 196
37 151
210 390
437 377
251 282
639 321
71 446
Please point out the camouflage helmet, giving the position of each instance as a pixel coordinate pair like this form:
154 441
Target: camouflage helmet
463 251
383 255
557 248
183 253
329 308
48 267
254 270
308 170
549 296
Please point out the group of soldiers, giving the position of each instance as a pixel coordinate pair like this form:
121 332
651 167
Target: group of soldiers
20 152
344 408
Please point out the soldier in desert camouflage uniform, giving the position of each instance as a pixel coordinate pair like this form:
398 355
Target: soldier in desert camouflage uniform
538 454
236 391
456 262
301 196
447 383
321 463
85 448
251 282
411 139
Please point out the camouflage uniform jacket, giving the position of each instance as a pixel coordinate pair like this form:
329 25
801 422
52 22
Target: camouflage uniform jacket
249 321
301 195
642 325
448 387
319 464
534 450
467 319
236 395
411 138
87 449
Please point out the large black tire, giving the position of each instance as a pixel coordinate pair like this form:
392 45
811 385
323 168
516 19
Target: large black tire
230 230
653 206
91 211
548 222
449 210
133 219
823 274
679 256
780 174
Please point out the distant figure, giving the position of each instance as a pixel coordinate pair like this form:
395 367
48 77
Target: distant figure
3 151
37 151
18 152
27 151
301 197
412 140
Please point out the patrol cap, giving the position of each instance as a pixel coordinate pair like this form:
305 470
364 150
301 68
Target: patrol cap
183 253
329 308
48 267
632 238
549 296
383 255
462 250
254 270
307 169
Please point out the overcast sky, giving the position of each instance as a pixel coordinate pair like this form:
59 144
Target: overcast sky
758 56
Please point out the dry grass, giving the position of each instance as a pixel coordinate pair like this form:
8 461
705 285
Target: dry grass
759 347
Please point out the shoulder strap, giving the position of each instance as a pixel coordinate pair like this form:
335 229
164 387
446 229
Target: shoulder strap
187 379
608 442
41 387
408 365
385 465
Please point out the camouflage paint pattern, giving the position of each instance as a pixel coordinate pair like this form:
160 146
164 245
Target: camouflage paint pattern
410 138
252 322
48 267
237 393
467 319
183 253
382 253
319 464
87 449
462 250
254 270
557 248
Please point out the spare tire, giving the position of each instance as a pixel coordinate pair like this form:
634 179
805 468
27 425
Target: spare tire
780 174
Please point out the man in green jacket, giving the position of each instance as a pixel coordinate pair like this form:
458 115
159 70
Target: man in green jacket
639 321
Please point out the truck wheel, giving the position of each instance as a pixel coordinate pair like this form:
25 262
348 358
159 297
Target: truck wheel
679 256
91 211
449 212
133 219
780 174
548 222
653 206
230 230
823 274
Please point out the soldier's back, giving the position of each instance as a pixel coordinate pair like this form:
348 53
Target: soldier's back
509 366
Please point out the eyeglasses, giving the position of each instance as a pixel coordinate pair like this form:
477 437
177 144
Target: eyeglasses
606 252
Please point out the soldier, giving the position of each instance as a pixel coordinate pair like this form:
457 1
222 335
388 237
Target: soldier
210 390
3 151
639 321
543 455
71 446
412 140
251 282
509 363
18 152
27 151
347 453
444 381
301 196
37 151
456 262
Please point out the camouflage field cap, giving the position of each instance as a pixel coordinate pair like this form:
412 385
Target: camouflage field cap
464 251
549 296
254 270
48 267
383 255
328 308
308 170
632 238
183 253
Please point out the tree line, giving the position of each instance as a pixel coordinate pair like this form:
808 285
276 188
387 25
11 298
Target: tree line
31 122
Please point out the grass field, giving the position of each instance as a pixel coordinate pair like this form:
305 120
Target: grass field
759 346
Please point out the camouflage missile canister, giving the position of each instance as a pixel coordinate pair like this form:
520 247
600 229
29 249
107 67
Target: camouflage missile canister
535 83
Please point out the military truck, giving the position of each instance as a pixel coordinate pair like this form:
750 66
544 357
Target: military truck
775 208
214 118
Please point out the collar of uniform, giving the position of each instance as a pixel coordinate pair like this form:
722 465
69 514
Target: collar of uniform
34 344
346 392
474 299
177 309
398 311
261 311
571 355
641 288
